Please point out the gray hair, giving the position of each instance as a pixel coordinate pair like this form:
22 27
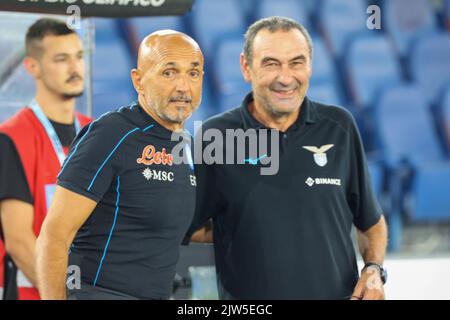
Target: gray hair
273 24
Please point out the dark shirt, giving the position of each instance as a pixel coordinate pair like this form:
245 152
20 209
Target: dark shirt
130 242
288 235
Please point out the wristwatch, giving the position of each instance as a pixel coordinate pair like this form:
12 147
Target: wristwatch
383 272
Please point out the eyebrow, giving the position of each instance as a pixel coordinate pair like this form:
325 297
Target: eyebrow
170 64
271 59
60 55
174 64
299 57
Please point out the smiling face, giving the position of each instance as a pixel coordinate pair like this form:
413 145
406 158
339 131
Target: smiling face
280 70
169 76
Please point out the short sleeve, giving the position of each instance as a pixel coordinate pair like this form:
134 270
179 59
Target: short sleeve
361 197
93 161
13 181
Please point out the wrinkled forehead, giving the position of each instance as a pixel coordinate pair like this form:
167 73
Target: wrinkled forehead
280 43
176 49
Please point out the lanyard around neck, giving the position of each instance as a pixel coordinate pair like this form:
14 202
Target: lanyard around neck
51 133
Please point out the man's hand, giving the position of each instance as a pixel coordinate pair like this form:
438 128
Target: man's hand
372 245
204 235
369 286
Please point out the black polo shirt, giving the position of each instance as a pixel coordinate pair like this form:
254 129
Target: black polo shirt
288 235
146 201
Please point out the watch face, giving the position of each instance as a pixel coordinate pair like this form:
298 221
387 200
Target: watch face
380 268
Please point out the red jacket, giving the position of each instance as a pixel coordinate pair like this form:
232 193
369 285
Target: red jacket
41 166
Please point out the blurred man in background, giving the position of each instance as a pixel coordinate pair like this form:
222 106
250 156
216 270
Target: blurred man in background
288 235
122 204
34 144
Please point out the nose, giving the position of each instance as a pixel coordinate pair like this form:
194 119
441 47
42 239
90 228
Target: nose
285 76
75 65
182 84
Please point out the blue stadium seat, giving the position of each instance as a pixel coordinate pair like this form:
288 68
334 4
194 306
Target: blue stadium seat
418 169
323 64
231 101
312 6
248 8
405 126
376 175
325 92
143 26
430 64
323 85
405 20
340 20
211 20
371 66
108 100
227 71
229 82
293 9
106 30
112 86
430 201
111 61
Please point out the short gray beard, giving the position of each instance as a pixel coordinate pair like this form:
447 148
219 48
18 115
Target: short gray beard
165 117
272 110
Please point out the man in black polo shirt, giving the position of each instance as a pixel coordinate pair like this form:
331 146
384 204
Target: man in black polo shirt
288 235
123 204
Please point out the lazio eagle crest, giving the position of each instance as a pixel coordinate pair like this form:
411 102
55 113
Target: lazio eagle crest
320 157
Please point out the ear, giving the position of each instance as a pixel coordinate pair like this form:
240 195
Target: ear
32 66
245 68
136 79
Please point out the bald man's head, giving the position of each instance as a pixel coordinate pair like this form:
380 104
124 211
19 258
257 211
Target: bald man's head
156 45
169 75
